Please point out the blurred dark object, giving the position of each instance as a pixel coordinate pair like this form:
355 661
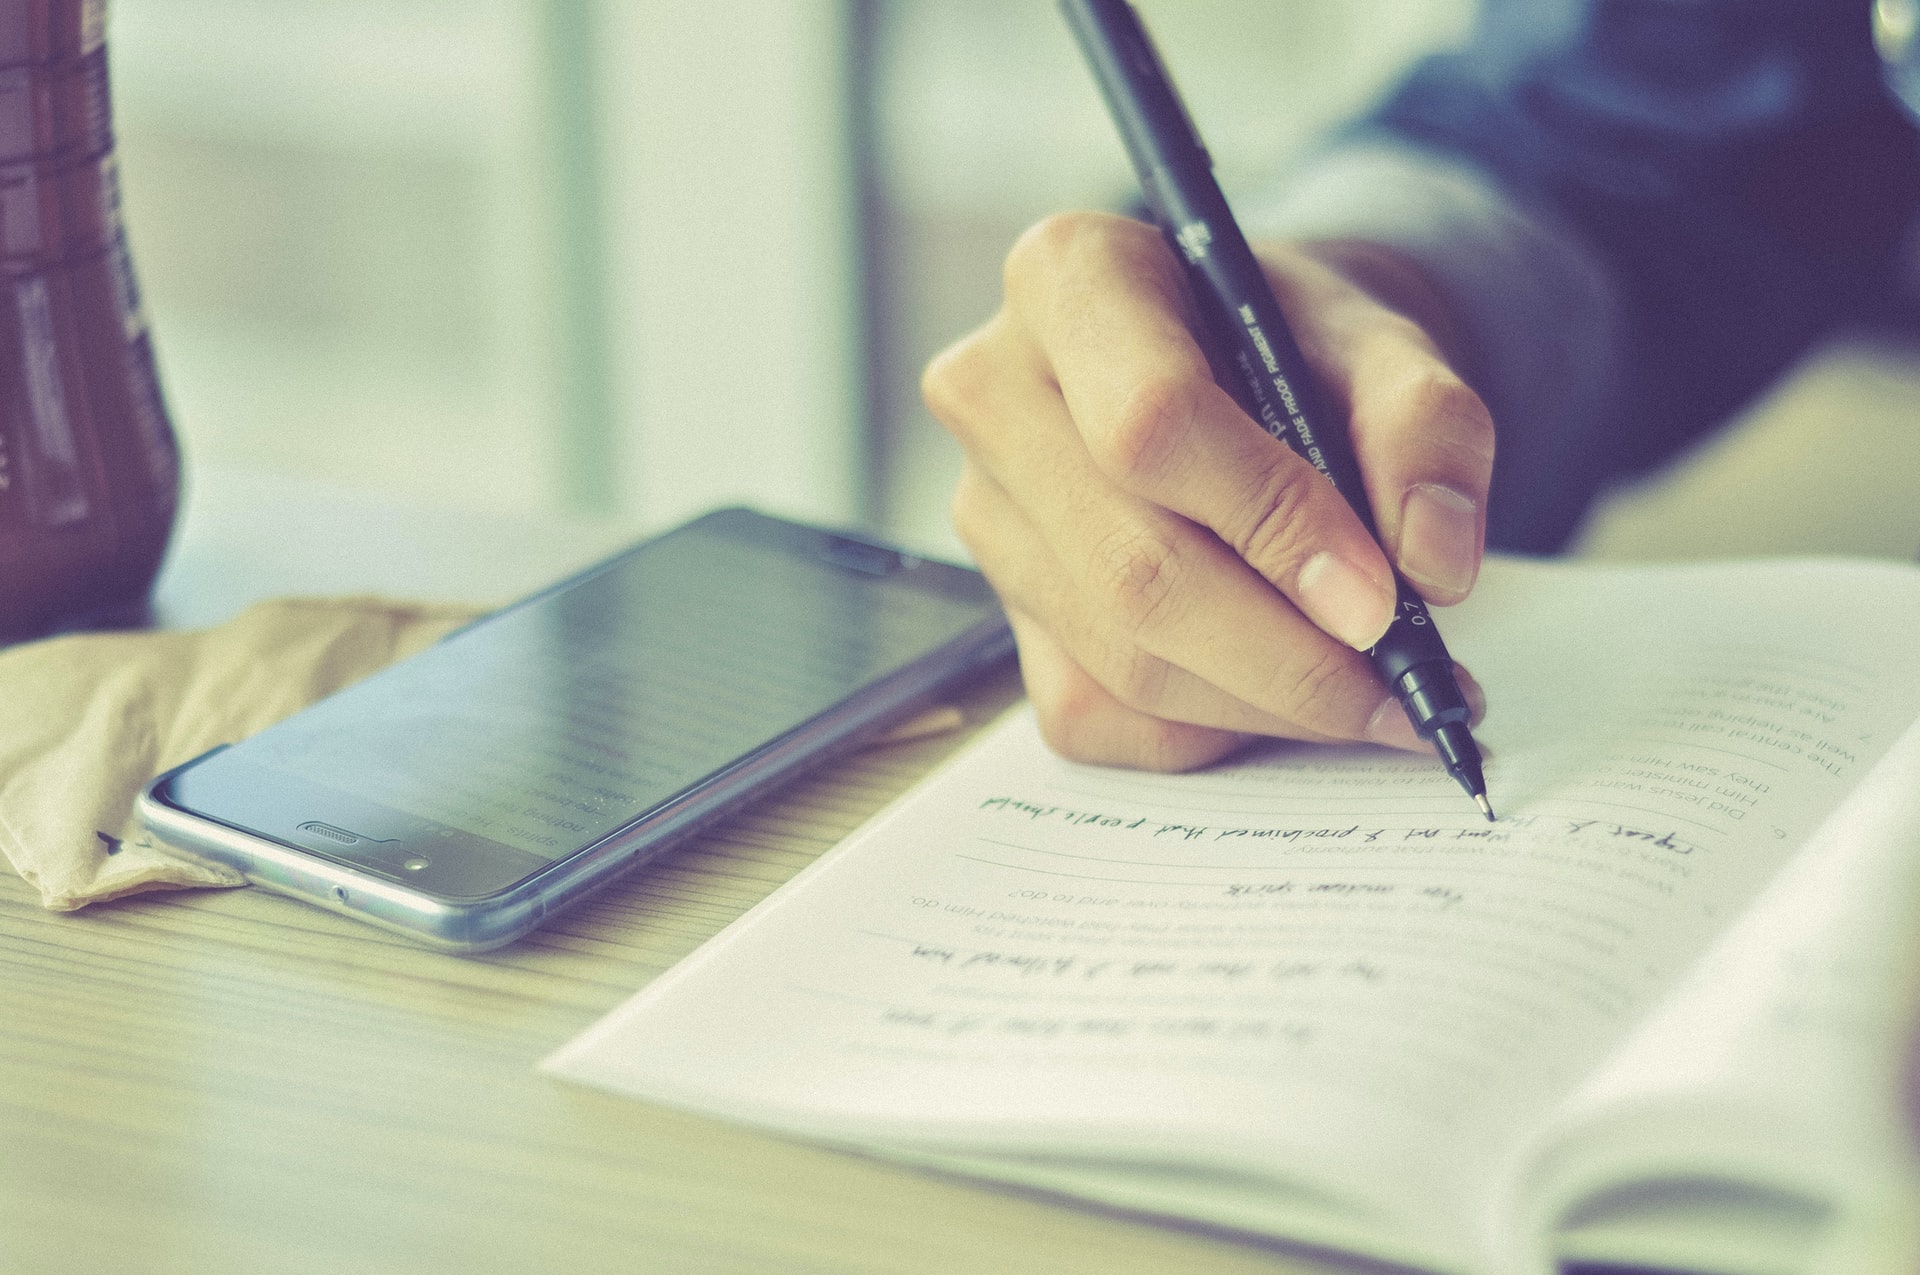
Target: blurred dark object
89 469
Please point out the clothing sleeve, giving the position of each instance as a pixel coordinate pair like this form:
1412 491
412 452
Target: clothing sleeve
1643 211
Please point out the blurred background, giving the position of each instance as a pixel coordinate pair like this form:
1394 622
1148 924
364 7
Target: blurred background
622 260
630 259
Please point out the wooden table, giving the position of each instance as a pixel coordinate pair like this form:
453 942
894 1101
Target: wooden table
230 1081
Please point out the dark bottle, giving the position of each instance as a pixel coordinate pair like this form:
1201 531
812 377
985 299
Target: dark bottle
89 469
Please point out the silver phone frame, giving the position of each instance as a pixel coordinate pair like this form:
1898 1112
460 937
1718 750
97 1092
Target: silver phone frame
486 922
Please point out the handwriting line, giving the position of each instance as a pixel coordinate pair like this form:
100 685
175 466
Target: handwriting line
1611 804
1694 743
1502 873
1213 867
1337 805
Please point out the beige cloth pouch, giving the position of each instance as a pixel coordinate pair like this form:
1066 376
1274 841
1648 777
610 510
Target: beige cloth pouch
87 720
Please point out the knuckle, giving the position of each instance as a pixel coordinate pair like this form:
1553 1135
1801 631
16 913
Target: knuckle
1140 572
1136 679
1139 742
965 511
1169 747
952 386
1070 716
942 379
1066 737
1272 529
1050 238
1312 695
1060 259
1060 239
1150 432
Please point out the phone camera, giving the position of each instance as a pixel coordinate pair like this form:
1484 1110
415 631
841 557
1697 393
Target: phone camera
415 864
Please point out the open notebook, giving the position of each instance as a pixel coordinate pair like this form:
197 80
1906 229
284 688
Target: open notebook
1656 1014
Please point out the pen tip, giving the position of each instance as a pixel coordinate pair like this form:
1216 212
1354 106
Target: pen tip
1486 807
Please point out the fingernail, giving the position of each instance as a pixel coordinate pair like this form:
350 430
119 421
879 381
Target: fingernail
1389 726
1344 600
1470 689
1439 538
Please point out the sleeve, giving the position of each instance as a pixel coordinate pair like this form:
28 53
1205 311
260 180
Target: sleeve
1643 210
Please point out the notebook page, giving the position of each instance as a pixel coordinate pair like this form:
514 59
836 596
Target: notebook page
1779 1062
1315 964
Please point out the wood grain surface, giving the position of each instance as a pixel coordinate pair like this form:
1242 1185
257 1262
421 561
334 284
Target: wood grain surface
231 1081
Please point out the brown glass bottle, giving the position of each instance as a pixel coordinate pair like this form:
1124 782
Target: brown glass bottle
89 469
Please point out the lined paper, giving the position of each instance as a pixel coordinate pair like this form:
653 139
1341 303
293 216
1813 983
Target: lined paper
1315 965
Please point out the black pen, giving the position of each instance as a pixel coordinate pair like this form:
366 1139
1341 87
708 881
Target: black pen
1244 323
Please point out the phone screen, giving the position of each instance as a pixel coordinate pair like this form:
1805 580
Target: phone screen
546 727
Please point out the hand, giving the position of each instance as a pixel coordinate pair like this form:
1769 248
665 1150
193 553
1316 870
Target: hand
1177 579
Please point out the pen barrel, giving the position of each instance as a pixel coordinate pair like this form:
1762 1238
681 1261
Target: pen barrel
1268 375
1264 369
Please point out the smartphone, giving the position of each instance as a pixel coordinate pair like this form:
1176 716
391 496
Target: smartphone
464 795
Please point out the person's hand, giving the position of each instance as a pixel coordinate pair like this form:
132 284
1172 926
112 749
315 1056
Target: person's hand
1177 579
